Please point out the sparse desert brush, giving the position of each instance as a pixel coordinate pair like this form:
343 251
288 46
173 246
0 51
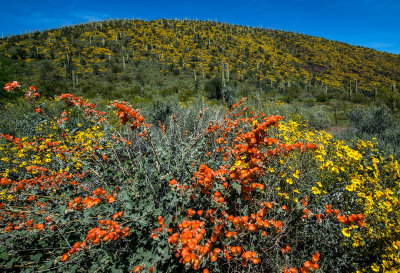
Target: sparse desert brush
241 191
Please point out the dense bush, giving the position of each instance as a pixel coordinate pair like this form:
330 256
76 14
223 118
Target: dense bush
160 111
317 118
214 88
84 189
373 120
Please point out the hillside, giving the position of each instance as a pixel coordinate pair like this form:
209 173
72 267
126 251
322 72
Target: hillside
162 51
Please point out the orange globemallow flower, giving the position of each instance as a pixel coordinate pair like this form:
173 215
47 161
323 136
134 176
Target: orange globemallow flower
65 257
39 226
33 88
110 198
172 182
252 227
315 257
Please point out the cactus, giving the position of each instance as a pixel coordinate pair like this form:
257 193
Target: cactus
356 87
227 72
350 91
222 74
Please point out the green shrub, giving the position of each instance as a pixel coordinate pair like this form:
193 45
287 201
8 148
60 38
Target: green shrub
373 120
317 118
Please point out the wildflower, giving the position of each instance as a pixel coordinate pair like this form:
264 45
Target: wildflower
346 232
12 86
65 257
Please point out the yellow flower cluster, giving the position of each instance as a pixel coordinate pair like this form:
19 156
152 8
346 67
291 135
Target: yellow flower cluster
42 151
365 172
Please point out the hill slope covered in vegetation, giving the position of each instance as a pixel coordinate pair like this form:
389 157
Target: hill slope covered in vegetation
151 52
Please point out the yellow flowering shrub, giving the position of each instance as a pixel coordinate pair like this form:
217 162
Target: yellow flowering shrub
373 177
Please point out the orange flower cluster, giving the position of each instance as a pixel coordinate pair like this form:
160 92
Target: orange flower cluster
28 225
249 153
250 256
11 86
246 149
34 167
161 228
63 118
40 145
20 224
127 114
140 267
123 139
107 230
43 181
353 218
162 126
88 107
32 93
90 201
254 222
286 148
15 140
205 177
118 215
177 187
187 241
307 266
286 249
146 132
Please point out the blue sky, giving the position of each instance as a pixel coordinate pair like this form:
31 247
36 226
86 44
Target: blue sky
371 23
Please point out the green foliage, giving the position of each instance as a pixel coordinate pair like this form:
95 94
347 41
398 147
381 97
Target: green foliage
322 97
373 120
160 111
317 117
214 88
